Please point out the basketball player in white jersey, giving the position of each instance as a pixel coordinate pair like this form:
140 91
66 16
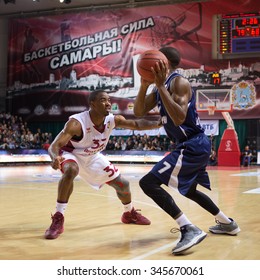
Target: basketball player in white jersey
77 151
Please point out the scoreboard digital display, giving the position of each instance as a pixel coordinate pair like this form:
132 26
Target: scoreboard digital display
236 35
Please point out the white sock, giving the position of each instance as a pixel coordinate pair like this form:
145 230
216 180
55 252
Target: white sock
183 221
222 218
128 207
61 207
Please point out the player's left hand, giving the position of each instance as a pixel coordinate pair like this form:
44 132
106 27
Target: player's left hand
160 72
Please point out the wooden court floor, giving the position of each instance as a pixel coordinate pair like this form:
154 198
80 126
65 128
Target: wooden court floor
93 230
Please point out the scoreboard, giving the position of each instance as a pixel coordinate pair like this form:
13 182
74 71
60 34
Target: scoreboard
236 35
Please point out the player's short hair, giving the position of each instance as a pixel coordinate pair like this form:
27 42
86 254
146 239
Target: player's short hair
172 55
93 95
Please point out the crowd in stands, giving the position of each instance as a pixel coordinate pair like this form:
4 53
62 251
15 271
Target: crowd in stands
15 134
141 143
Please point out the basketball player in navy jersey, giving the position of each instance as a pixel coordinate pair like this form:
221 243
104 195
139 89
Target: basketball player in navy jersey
185 167
76 150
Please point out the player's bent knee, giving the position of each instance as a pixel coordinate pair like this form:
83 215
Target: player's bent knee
70 170
146 182
143 183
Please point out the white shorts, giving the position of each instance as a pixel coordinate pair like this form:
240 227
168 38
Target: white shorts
96 169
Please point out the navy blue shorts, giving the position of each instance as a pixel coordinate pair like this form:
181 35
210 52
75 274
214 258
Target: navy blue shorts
186 165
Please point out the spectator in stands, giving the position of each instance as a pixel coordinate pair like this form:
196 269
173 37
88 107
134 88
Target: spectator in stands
37 140
136 143
156 143
118 145
123 145
171 146
212 141
212 157
11 144
139 147
146 138
4 143
46 145
50 137
146 147
164 144
110 145
129 144
246 156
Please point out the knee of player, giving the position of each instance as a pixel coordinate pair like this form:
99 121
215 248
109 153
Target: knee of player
144 182
150 183
191 193
70 170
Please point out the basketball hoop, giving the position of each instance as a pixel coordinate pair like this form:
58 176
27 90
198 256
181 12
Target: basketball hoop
211 110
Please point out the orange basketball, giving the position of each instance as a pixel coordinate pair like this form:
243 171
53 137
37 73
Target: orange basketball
147 60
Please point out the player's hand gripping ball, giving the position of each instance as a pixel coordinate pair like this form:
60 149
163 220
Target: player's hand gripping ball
147 60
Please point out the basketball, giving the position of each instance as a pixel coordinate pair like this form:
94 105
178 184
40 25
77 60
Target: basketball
147 60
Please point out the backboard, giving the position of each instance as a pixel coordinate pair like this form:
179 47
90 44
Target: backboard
214 100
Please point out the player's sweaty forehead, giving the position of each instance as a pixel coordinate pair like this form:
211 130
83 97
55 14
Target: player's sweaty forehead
102 97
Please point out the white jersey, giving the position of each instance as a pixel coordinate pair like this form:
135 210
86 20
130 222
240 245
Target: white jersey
94 167
93 140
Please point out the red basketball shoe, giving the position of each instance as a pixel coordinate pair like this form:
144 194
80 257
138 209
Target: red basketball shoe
133 217
56 227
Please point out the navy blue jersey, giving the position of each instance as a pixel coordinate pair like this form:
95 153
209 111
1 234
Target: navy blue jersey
191 125
185 166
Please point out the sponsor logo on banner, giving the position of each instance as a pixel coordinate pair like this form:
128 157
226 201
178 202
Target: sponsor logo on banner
211 127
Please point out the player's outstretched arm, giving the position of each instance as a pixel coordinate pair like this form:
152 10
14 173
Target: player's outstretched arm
136 124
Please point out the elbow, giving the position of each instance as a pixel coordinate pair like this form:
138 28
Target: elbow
51 147
178 119
178 122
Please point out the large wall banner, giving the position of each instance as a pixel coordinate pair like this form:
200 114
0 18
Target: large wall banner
54 62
